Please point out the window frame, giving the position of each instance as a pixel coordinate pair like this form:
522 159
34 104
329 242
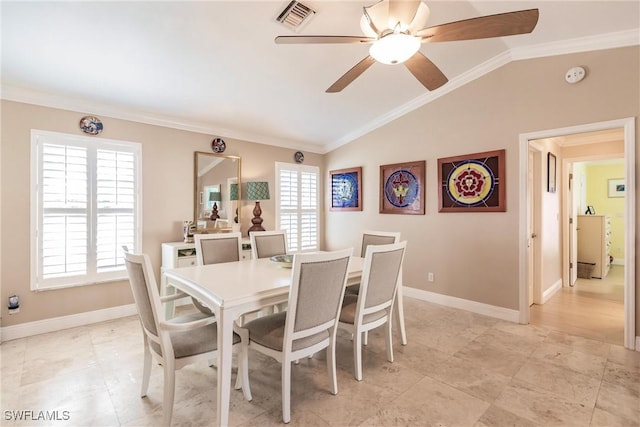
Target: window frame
92 144
298 168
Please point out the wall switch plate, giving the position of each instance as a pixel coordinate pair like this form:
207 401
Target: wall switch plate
430 277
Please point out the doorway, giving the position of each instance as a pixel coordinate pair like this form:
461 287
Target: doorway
627 128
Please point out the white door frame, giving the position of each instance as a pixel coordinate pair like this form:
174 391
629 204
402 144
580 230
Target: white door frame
628 125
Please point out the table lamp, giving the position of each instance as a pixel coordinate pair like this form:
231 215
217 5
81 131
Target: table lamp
233 195
257 191
214 197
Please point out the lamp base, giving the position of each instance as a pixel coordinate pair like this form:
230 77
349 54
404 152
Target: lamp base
214 212
256 220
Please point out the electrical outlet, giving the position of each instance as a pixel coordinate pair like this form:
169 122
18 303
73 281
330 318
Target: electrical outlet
14 310
430 277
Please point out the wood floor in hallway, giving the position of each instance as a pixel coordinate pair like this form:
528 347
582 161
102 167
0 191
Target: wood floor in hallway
593 308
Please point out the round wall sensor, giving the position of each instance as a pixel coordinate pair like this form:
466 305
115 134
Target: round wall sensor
574 75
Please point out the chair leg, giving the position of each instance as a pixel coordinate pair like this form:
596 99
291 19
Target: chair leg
331 365
286 390
146 370
357 354
365 340
389 334
400 311
169 391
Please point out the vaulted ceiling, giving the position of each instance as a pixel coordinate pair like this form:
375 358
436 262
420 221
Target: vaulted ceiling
213 67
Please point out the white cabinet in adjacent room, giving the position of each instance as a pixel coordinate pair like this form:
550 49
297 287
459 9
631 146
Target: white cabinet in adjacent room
594 243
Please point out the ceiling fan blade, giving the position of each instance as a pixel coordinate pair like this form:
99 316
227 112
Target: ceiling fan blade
426 71
323 39
502 24
403 11
351 75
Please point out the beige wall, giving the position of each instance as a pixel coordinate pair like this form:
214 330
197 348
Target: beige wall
167 177
475 255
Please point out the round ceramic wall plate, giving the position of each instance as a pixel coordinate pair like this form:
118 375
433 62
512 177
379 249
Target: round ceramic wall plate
299 157
91 125
218 145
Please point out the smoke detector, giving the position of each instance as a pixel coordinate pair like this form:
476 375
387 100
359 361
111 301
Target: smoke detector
574 75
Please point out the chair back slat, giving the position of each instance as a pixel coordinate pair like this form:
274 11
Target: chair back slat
377 238
218 248
141 296
265 244
315 298
383 276
319 292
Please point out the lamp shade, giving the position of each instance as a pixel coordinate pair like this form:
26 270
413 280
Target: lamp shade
214 196
258 190
233 192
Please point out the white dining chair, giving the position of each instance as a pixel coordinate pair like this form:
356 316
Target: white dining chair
265 244
374 237
309 324
373 306
172 343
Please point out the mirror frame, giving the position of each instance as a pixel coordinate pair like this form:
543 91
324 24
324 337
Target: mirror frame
196 195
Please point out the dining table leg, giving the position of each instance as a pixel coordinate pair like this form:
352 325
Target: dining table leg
225 355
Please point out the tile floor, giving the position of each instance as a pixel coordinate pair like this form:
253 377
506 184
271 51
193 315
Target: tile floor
459 369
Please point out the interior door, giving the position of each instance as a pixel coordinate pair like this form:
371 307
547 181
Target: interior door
531 237
573 196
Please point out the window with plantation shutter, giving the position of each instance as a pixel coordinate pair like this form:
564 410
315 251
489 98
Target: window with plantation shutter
85 206
297 205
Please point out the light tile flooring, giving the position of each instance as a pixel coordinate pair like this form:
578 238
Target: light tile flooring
592 308
459 369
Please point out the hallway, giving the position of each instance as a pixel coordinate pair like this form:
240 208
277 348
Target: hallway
593 308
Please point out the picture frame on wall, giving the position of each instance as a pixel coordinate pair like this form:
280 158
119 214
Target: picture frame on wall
402 188
472 182
615 187
346 189
551 173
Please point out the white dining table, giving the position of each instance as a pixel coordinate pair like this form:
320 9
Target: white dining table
232 289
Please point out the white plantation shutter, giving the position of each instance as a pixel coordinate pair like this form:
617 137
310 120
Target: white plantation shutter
297 209
86 197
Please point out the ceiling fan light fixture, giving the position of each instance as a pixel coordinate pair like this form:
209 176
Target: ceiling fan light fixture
394 48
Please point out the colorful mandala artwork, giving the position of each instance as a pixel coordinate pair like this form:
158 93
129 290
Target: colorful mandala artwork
401 189
472 183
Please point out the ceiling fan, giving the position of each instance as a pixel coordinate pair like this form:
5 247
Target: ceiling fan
395 29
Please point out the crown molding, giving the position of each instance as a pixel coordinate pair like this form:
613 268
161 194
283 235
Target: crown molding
85 106
584 44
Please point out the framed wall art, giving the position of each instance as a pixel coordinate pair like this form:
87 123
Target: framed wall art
402 188
615 187
346 189
472 183
551 173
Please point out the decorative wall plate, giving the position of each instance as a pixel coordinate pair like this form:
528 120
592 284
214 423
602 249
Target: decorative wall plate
218 145
298 157
91 125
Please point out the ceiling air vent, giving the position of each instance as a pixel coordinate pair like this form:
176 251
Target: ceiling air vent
295 15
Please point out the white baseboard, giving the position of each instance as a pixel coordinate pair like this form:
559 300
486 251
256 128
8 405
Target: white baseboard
463 304
65 322
551 291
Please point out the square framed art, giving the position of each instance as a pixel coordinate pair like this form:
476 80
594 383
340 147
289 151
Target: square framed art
402 188
346 189
472 183
615 187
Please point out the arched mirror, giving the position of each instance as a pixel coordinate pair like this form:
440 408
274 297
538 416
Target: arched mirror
216 184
